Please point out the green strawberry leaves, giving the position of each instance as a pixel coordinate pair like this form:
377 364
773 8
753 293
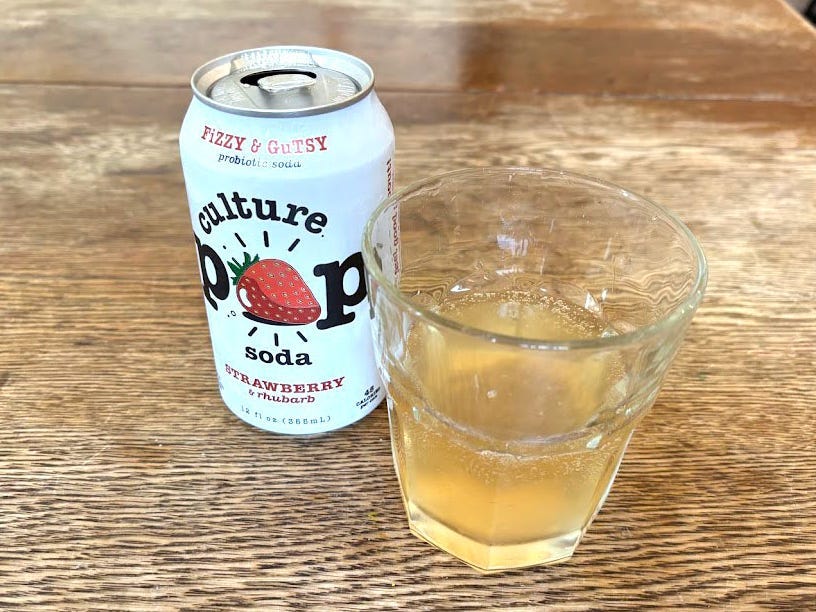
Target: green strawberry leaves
239 268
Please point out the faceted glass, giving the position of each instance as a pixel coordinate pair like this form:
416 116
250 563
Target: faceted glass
524 320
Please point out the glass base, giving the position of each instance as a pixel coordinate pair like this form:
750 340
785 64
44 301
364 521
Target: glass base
492 558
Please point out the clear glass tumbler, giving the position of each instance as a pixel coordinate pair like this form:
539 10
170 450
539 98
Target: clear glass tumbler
524 320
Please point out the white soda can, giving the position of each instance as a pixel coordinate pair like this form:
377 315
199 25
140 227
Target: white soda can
285 152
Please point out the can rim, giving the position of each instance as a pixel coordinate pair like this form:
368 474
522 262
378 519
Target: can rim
208 73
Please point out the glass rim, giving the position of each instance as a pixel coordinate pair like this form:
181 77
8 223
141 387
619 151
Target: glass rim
682 310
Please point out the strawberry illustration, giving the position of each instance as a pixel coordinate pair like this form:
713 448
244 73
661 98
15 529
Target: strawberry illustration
272 290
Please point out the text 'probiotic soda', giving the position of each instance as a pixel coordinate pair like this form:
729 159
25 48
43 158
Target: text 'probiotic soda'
285 152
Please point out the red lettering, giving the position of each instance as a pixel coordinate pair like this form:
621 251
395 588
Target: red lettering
267 385
295 146
222 139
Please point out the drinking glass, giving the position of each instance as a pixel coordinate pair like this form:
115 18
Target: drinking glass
524 320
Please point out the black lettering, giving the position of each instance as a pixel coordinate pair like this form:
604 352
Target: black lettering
250 353
293 211
212 212
204 223
230 215
272 208
218 288
239 201
303 359
315 222
284 357
336 297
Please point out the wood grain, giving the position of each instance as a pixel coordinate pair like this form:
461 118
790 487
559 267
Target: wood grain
126 484
694 48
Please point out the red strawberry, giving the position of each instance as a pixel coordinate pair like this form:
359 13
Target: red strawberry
272 290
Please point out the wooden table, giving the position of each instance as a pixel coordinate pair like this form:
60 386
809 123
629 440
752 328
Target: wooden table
126 484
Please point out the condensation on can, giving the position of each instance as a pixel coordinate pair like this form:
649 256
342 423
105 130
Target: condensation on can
285 153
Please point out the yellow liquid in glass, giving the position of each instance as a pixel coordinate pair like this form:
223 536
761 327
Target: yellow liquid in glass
468 425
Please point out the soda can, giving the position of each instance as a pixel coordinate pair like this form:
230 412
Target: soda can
285 153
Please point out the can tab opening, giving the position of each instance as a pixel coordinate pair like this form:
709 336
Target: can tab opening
285 87
280 81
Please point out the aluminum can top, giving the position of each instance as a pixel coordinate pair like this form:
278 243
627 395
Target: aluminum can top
283 81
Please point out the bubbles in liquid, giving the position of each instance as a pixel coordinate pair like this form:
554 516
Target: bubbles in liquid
533 315
594 441
608 332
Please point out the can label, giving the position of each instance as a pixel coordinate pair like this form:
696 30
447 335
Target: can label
277 207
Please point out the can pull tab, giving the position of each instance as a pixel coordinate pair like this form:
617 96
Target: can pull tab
282 88
281 82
